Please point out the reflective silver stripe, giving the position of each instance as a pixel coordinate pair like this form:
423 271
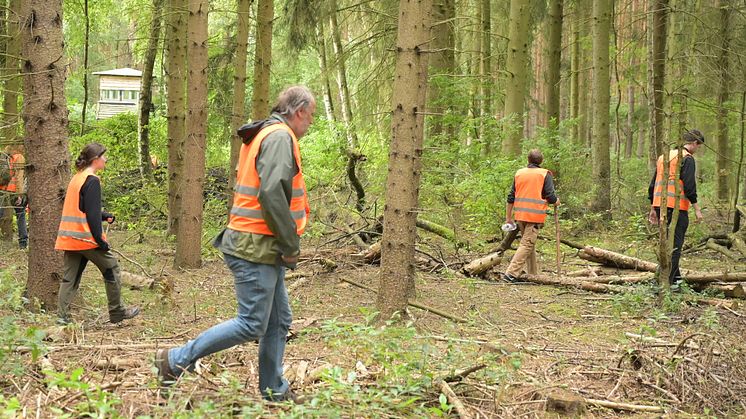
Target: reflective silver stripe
71 219
248 213
531 210
297 193
247 190
75 234
253 213
531 201
672 195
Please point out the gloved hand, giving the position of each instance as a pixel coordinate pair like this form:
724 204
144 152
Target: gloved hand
290 262
103 245
108 217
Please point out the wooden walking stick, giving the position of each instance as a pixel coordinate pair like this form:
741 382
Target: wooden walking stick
557 231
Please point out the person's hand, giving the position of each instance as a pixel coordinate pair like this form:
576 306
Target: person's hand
290 260
103 245
19 201
111 219
653 217
556 204
699 215
509 220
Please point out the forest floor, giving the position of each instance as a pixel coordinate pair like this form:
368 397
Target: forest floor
536 343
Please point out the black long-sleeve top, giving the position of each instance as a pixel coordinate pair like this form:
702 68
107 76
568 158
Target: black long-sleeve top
547 191
687 176
90 204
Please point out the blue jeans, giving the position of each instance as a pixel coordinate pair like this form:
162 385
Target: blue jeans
263 315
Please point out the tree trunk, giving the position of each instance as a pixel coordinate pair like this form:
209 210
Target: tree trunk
189 236
553 78
86 45
575 75
723 68
353 155
657 69
265 13
485 73
146 90
46 120
442 64
176 87
324 67
554 60
630 138
396 284
517 65
10 98
601 99
238 114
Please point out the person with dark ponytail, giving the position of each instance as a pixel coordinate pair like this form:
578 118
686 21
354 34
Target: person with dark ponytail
82 239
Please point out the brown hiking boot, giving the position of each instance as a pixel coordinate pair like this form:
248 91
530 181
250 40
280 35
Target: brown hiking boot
166 377
127 313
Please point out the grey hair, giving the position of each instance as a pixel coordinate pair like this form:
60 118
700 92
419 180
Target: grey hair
293 99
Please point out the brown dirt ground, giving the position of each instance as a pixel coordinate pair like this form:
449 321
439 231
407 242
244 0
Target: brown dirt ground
565 338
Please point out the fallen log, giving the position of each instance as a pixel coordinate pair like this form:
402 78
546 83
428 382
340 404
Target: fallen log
619 260
625 406
479 266
572 283
411 303
608 279
136 282
458 406
701 277
724 250
373 254
736 290
439 230
738 243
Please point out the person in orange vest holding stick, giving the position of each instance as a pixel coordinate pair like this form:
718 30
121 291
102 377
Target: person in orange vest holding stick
532 191
82 239
687 189
13 189
269 214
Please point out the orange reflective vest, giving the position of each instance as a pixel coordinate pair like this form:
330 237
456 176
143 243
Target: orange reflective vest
673 173
74 232
11 186
529 206
246 213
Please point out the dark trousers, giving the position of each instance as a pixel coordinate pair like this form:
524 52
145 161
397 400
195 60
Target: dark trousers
20 211
75 262
682 224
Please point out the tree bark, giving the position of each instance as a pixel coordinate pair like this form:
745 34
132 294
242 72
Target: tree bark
618 260
554 61
485 73
658 13
601 98
86 45
189 236
11 92
723 69
575 75
238 113
46 119
324 67
442 64
517 64
176 86
265 13
479 266
353 155
146 91
403 181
